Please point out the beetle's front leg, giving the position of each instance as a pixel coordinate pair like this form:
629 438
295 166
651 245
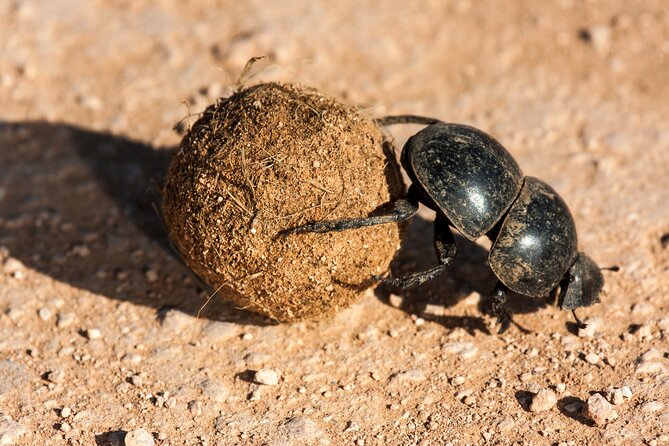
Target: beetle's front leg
444 246
397 211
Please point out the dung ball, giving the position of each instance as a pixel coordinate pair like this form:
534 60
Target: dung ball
269 158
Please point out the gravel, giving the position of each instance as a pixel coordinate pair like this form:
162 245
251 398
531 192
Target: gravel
65 320
176 322
93 334
465 350
139 437
598 409
45 313
652 406
10 431
302 428
12 376
408 376
217 332
544 400
215 390
267 377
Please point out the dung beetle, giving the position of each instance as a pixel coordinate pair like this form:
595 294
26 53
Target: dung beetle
475 186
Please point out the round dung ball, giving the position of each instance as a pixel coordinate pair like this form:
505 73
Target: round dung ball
269 158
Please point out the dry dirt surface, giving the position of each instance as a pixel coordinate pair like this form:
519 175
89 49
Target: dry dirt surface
99 339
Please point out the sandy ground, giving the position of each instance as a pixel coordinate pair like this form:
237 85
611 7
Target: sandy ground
98 327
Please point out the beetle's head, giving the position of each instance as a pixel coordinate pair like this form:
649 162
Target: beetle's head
582 284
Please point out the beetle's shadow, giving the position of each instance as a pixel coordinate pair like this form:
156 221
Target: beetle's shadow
82 207
469 273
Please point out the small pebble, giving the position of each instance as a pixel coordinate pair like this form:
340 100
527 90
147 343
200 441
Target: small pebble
590 329
650 368
560 387
465 350
615 396
652 406
458 380
247 336
470 400
215 390
10 431
506 424
195 407
65 320
217 331
395 300
93 334
352 426
643 309
267 377
597 409
650 362
134 358
15 313
645 332
627 392
544 400
44 313
55 376
302 429
256 359
256 394
592 358
601 38
65 412
137 380
12 377
138 437
65 427
415 375
176 321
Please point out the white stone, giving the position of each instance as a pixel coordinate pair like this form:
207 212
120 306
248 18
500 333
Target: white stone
138 437
597 409
544 400
267 377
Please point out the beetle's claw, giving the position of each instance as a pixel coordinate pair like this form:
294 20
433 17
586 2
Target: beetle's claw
579 323
504 323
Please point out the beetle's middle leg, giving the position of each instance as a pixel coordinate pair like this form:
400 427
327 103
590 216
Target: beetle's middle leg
446 249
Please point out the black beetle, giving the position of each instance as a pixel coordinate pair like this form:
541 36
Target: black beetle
476 186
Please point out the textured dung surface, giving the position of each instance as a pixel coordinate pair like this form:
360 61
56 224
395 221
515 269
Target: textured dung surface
267 159
537 242
466 173
578 92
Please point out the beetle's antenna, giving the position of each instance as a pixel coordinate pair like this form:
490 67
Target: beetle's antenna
614 268
405 119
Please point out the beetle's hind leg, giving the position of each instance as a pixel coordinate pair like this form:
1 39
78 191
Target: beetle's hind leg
399 210
444 246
